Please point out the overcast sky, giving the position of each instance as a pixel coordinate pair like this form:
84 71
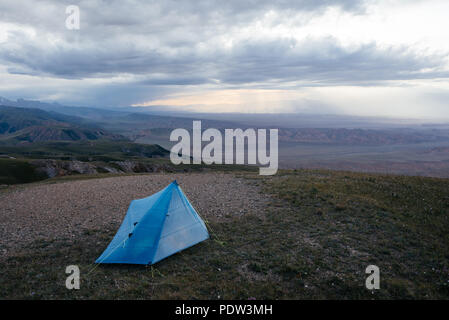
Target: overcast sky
380 58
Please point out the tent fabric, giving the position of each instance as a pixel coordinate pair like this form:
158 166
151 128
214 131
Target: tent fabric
155 228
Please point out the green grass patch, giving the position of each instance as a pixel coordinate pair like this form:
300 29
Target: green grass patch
98 150
13 171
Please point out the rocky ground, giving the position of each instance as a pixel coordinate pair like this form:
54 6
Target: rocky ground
56 168
65 210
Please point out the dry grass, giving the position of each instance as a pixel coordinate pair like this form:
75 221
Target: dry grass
300 234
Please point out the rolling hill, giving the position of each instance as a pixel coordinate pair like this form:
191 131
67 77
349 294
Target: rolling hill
35 125
37 144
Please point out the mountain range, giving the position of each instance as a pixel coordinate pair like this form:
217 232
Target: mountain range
35 129
36 125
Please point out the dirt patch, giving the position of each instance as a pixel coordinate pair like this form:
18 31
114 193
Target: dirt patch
66 210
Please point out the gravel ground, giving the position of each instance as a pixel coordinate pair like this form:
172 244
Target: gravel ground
67 209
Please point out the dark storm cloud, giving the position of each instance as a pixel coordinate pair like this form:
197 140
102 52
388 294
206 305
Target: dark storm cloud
323 61
129 36
326 62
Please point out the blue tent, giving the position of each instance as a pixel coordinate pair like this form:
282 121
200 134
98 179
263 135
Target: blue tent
155 228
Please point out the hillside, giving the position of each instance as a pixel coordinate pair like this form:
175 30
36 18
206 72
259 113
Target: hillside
35 125
36 144
42 160
305 234
13 119
84 150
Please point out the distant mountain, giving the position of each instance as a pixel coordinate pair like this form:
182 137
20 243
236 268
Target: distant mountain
45 133
13 119
27 103
123 120
141 125
33 125
82 112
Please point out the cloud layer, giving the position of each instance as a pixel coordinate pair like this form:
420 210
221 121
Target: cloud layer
133 51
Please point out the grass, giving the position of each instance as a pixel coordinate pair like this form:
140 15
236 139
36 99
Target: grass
13 171
314 241
352 220
91 150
